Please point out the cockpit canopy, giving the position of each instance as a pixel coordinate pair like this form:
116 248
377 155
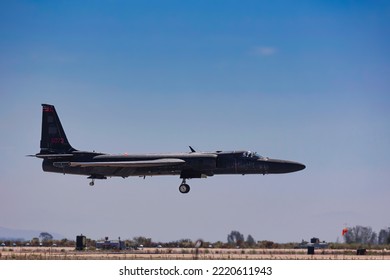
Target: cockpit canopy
249 154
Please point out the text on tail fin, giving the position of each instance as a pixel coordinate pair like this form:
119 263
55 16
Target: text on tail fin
53 138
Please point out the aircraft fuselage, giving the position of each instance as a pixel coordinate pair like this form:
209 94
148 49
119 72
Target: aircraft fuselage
196 165
60 157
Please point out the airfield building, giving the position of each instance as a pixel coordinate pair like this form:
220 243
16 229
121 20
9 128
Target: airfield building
110 244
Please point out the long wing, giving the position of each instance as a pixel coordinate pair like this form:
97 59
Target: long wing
134 164
51 156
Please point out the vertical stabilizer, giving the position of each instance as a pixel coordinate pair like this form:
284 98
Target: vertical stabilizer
53 138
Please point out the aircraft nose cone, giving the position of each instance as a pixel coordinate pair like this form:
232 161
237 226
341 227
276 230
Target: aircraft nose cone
277 166
291 166
298 166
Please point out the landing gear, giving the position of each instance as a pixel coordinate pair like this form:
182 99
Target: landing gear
93 177
184 188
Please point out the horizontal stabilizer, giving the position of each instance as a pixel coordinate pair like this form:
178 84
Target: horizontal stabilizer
50 156
134 164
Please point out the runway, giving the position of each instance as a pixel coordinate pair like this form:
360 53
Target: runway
69 253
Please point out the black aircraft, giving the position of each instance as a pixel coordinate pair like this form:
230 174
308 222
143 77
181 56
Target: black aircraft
60 157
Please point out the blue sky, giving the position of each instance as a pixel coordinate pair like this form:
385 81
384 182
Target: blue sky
304 81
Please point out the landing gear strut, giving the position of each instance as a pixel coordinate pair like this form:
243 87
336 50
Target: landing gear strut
93 177
184 188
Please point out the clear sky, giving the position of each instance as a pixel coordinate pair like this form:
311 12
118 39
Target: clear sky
299 80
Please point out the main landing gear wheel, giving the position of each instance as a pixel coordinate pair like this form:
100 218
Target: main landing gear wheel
92 183
184 188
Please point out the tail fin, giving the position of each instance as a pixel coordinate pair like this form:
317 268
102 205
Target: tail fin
53 138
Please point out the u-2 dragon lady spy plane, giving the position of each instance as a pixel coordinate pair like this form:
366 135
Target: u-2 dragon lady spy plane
60 157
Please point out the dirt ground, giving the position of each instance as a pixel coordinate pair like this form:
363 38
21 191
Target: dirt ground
69 253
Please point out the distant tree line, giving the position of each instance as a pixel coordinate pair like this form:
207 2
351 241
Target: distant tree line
353 236
235 238
365 235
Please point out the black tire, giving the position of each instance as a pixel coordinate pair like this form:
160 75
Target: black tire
184 188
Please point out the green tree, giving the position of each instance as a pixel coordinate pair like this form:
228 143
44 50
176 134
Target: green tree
250 241
45 236
384 236
186 243
35 241
361 235
266 244
218 244
144 241
235 238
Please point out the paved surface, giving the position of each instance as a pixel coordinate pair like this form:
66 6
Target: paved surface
67 253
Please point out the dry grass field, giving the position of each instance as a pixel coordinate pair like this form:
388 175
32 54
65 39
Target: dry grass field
68 253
